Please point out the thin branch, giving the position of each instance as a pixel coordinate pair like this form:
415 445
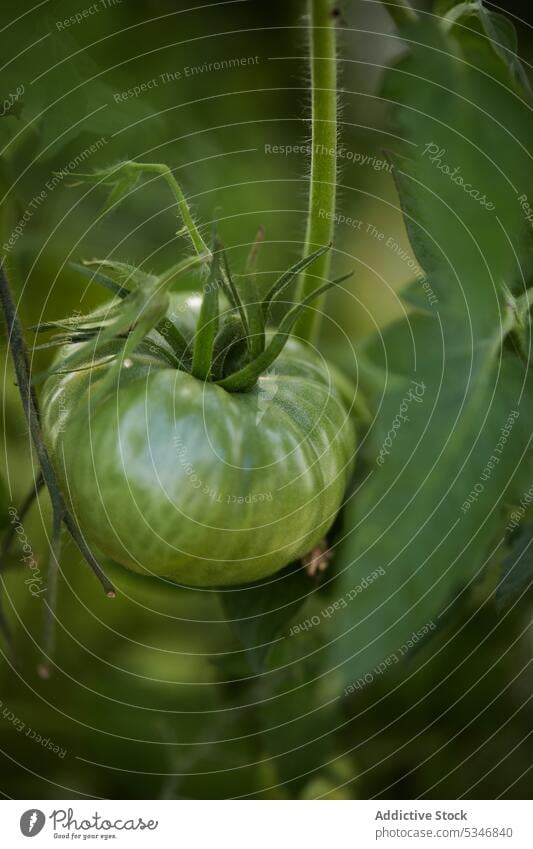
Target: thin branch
19 354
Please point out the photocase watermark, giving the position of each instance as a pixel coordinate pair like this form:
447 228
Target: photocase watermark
404 256
35 581
518 513
55 180
344 153
32 822
68 825
415 394
492 462
340 603
27 731
526 208
206 489
436 155
186 72
88 12
66 820
392 659
370 229
338 218
10 104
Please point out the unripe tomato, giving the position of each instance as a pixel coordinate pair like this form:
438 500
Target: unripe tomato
173 476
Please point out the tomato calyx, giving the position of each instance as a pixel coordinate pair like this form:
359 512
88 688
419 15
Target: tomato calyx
229 345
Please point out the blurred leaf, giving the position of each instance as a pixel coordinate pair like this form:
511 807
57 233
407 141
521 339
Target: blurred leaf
447 446
260 612
4 504
122 177
62 93
72 95
517 573
299 721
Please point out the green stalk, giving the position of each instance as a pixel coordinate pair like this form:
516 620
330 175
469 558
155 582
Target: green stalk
321 210
191 228
124 176
207 325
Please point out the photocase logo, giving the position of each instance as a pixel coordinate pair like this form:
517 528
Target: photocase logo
32 822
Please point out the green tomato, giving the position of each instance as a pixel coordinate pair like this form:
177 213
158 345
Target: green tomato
172 476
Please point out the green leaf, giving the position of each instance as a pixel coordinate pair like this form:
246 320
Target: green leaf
121 177
260 612
285 279
4 504
447 446
232 293
517 572
102 279
87 105
123 272
230 339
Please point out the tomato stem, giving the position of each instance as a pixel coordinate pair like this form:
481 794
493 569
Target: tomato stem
185 212
207 325
124 176
321 209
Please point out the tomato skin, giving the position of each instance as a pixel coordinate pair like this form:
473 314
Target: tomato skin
175 477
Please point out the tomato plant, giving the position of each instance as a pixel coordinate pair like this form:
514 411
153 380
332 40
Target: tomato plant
204 438
191 436
185 478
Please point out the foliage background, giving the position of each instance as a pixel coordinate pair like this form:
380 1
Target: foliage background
136 698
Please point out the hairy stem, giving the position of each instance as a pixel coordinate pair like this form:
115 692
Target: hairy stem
194 234
321 210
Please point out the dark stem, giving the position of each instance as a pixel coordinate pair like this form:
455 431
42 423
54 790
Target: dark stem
18 350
